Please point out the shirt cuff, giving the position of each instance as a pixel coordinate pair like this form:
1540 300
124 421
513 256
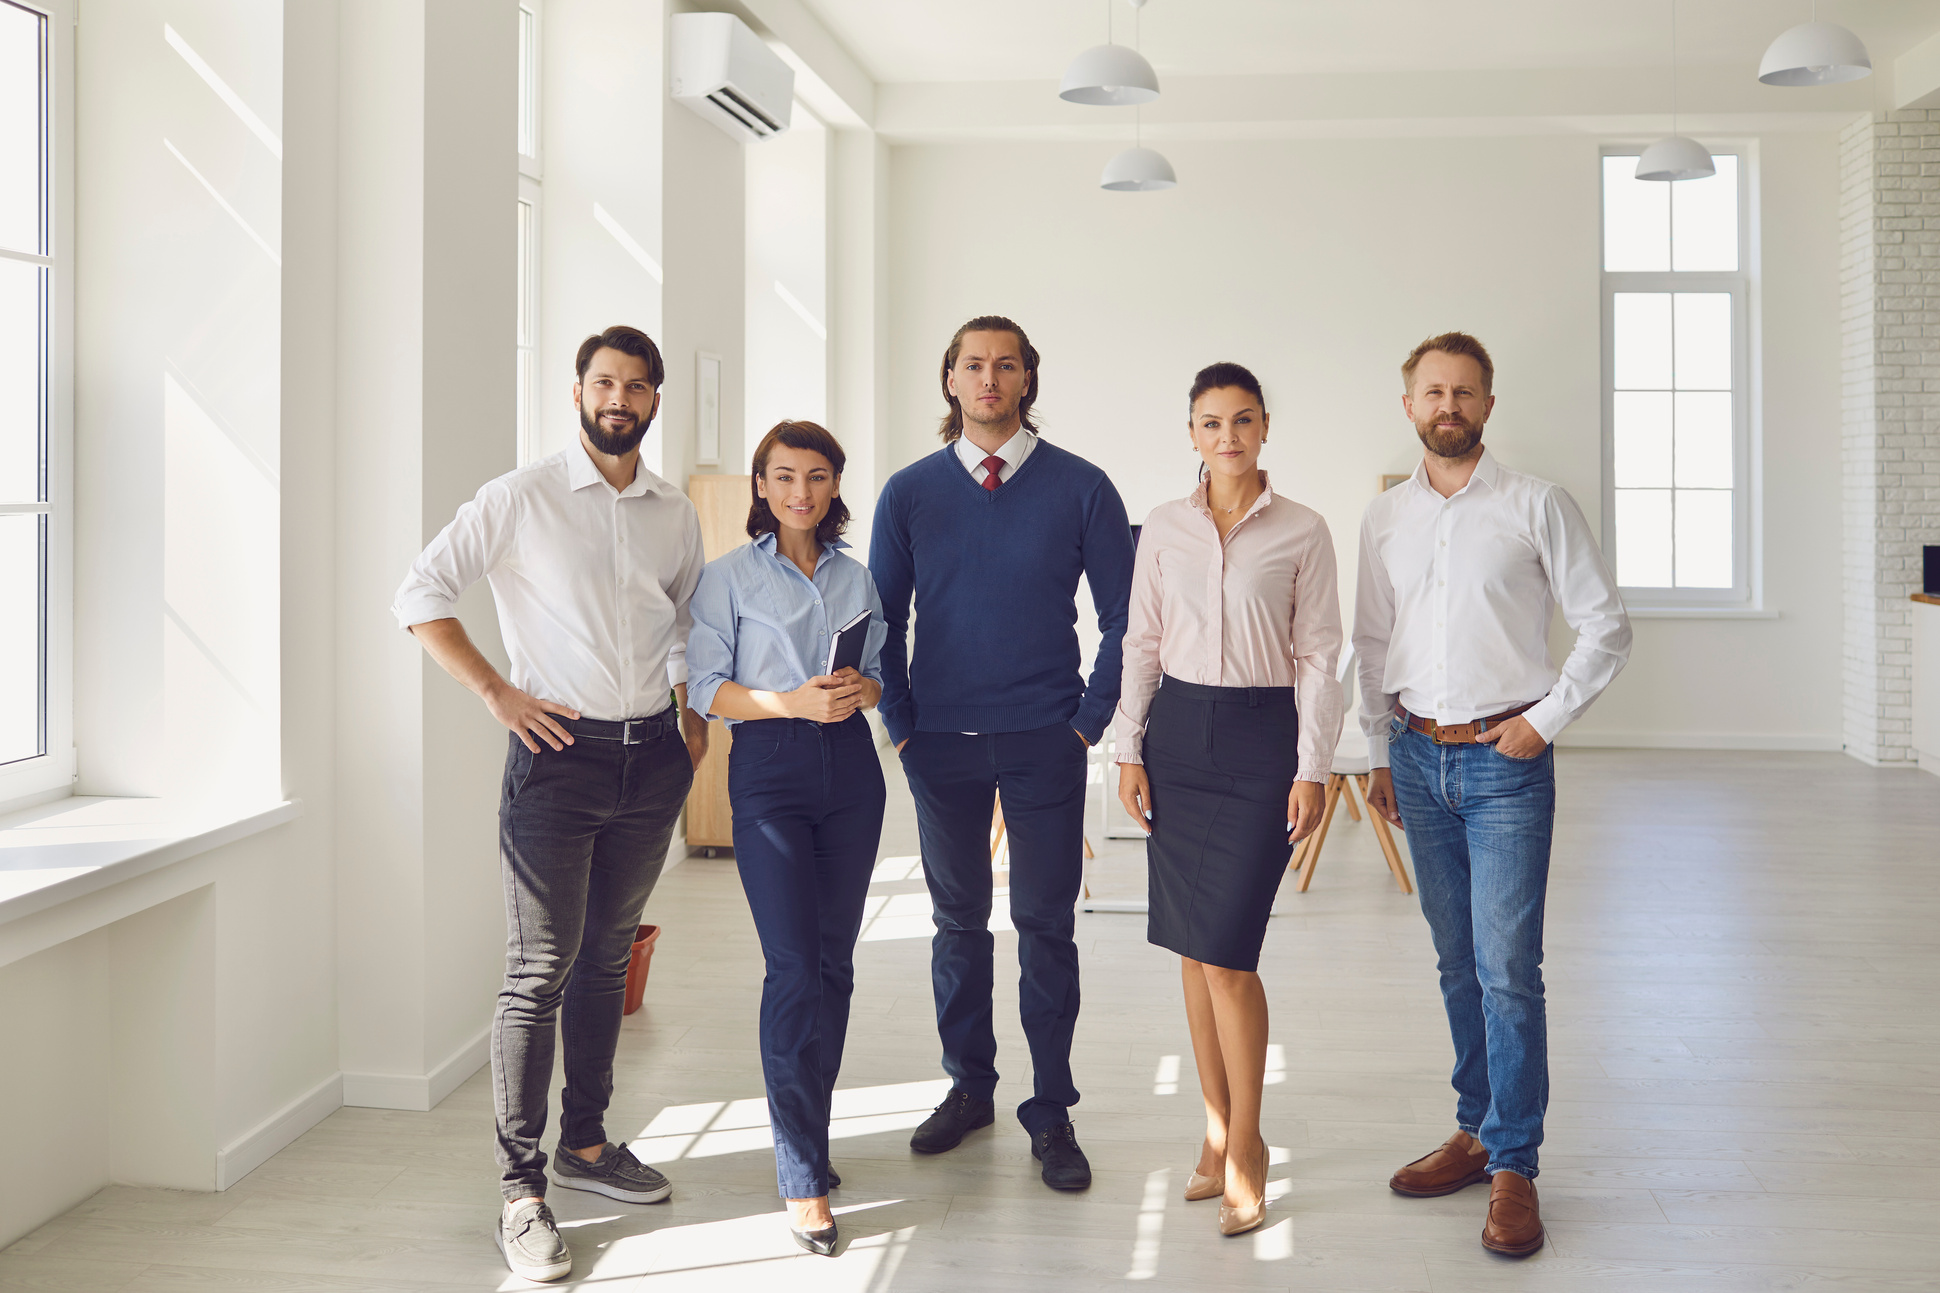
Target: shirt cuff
1548 717
700 695
417 608
1318 778
1377 747
677 671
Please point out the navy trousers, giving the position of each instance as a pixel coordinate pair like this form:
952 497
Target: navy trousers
1041 775
808 801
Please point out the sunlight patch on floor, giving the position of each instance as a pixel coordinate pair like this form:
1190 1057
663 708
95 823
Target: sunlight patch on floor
753 1253
741 1126
1151 1221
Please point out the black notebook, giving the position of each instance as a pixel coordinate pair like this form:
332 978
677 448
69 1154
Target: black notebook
845 648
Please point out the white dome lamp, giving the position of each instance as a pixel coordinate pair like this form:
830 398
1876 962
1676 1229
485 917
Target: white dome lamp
1108 75
1138 170
1675 157
1815 53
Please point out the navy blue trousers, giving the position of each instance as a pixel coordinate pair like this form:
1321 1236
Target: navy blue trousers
808 802
1041 775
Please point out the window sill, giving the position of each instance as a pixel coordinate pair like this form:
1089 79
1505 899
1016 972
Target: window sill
1699 613
61 851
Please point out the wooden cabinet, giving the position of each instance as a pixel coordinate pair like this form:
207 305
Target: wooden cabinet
722 502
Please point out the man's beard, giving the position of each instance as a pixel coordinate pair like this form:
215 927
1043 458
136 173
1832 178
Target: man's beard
613 446
1449 444
975 412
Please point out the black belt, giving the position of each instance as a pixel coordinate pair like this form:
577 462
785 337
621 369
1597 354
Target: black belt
1253 696
631 731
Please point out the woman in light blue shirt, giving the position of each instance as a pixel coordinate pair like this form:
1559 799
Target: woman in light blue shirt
803 778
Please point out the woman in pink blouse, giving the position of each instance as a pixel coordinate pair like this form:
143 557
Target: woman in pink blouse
1225 730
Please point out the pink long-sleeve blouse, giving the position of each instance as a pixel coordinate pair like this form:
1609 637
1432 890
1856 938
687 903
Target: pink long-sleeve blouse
1261 609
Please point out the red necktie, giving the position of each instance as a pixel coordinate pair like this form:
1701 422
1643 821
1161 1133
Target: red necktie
991 466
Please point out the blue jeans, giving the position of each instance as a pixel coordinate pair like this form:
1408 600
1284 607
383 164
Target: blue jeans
1479 825
808 800
1041 775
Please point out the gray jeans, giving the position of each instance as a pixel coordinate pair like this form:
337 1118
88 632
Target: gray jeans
582 835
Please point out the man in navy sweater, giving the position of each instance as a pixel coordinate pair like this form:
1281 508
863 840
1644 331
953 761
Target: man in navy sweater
990 535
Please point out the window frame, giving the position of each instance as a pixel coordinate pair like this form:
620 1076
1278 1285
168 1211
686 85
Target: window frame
1738 284
50 774
527 325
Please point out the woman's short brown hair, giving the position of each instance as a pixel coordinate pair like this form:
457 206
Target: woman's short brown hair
796 435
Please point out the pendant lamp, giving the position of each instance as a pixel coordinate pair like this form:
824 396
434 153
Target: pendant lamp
1675 157
1815 53
1138 170
1108 75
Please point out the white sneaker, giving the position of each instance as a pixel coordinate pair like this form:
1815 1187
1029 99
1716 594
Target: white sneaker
529 1238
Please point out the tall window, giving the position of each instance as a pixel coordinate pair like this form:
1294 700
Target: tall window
27 282
529 176
1675 371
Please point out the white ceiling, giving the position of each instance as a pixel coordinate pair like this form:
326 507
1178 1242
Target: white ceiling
901 41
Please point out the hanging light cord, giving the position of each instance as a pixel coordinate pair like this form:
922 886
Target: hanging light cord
1674 66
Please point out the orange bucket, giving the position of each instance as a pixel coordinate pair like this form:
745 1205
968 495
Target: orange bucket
636 965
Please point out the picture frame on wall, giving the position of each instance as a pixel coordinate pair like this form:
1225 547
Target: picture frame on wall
707 409
1389 479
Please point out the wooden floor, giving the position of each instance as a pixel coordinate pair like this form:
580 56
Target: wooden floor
1745 1096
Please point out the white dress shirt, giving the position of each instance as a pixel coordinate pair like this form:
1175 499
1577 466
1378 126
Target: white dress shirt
1451 615
1013 452
592 583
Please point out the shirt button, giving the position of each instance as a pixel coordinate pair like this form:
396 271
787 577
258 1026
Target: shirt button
818 602
1441 583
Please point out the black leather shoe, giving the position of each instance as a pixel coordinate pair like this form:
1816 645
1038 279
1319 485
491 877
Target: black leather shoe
820 1242
959 1114
1065 1165
835 1182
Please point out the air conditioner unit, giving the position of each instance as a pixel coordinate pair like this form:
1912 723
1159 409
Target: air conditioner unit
723 71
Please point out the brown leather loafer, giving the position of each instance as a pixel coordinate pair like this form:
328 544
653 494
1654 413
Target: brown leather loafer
1458 1164
1515 1226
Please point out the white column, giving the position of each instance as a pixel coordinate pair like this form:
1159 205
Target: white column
1890 439
427 187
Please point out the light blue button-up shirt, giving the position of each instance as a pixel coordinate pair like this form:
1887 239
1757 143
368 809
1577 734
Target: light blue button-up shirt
760 622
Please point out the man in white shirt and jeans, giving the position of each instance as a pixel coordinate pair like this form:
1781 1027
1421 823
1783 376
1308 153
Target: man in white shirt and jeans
1460 568
592 559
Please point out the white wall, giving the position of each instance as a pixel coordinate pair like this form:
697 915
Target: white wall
602 142
1319 264
703 205
227 998
787 231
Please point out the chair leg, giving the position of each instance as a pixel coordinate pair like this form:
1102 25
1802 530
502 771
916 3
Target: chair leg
1386 839
1319 837
1353 813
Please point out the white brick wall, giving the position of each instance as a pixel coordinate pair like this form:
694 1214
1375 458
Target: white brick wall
1890 432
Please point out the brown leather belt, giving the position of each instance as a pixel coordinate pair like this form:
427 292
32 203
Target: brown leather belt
1456 733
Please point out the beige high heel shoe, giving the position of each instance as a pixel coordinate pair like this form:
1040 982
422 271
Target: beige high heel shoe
1204 1187
1237 1221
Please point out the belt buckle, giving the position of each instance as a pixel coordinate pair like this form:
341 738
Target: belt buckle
626 731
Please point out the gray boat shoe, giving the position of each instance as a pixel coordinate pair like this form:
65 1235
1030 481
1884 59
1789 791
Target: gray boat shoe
529 1238
616 1173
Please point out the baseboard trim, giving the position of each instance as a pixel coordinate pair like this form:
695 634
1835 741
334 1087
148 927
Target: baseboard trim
418 1092
1699 741
256 1146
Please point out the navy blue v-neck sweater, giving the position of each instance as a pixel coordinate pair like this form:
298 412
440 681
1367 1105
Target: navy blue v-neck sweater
994 576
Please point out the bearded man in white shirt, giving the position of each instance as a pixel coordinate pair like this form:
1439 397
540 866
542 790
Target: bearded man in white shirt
592 559
1460 568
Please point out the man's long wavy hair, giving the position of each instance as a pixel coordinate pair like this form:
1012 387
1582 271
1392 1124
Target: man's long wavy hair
952 427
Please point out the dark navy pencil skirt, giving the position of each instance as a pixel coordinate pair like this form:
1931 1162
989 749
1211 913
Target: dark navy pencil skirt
1221 762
